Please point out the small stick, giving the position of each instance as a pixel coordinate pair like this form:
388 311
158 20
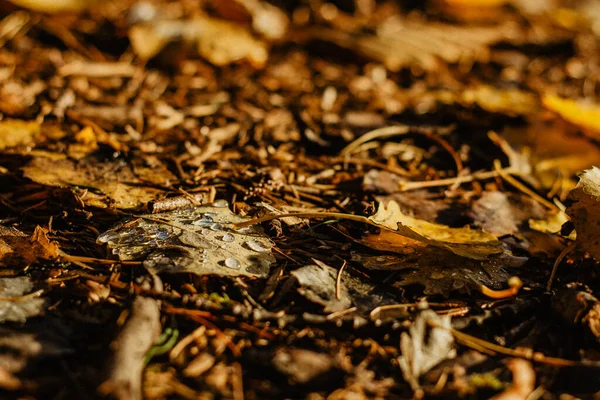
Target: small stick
338 281
559 259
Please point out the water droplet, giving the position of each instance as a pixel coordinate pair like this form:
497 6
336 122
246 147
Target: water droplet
246 229
210 214
232 263
107 237
221 203
256 246
115 251
204 221
228 237
216 227
162 234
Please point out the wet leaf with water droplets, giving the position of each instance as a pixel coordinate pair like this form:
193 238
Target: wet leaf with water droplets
197 240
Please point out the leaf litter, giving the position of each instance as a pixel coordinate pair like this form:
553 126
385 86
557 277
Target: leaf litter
411 153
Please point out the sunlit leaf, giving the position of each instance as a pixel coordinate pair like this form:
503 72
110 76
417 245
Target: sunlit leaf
104 183
19 249
584 114
470 243
195 240
15 133
220 42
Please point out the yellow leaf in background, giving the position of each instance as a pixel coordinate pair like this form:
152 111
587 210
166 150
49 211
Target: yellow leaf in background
583 114
466 242
15 133
218 41
476 3
585 211
510 101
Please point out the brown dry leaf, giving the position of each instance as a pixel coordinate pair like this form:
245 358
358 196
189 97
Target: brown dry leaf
16 248
502 214
220 42
104 183
581 113
399 43
585 211
15 133
439 271
465 242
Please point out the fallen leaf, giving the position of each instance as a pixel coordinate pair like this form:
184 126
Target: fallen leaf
584 114
104 183
15 306
505 101
502 214
15 133
423 347
220 42
18 249
302 366
194 240
399 42
440 271
585 211
465 242
318 284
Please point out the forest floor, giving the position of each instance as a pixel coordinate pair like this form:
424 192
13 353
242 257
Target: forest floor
240 199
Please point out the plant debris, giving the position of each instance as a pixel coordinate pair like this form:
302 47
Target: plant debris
321 199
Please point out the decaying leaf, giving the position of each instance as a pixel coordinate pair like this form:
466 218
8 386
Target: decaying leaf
103 182
15 305
440 271
585 211
502 214
318 284
15 133
18 249
423 347
195 240
583 114
465 242
400 43
220 42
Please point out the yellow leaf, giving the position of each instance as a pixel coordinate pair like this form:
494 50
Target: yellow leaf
585 115
465 242
15 133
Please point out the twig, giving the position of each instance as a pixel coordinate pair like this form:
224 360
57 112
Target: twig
338 281
139 334
559 259
523 188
